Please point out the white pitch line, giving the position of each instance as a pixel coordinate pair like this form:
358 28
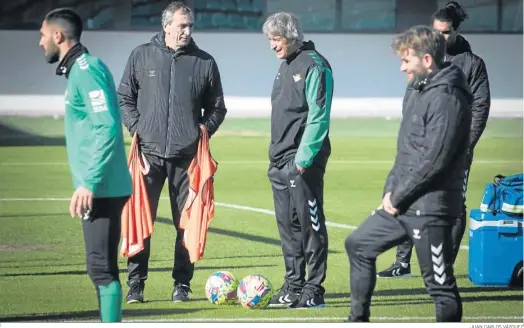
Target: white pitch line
233 206
47 199
241 162
289 319
269 212
236 207
306 319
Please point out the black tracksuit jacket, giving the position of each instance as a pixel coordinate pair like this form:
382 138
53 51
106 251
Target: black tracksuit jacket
301 109
460 54
162 94
433 140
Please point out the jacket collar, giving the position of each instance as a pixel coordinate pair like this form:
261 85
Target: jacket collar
160 41
308 45
69 59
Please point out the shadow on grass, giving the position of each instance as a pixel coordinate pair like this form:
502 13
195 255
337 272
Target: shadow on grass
402 301
16 264
223 232
94 315
240 235
29 215
464 293
166 269
12 136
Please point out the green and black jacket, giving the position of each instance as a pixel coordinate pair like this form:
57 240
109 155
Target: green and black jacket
93 126
301 108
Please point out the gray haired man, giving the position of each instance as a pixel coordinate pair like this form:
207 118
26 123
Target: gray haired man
166 84
299 151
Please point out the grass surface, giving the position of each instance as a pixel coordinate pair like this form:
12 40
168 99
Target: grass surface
42 266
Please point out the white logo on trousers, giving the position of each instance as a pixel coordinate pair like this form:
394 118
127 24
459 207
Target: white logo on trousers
416 233
313 214
437 258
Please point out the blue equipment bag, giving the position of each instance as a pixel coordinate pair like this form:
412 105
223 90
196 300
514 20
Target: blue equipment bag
504 195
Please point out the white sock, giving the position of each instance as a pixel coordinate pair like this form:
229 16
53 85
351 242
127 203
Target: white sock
404 265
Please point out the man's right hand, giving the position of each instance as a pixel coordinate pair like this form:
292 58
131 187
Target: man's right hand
133 131
388 207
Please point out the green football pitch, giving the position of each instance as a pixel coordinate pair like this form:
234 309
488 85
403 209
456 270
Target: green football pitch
42 267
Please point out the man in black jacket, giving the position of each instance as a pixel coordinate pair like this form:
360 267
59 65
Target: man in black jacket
458 51
299 151
423 192
166 84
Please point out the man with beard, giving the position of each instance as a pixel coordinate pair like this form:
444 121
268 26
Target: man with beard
166 84
458 51
96 153
423 192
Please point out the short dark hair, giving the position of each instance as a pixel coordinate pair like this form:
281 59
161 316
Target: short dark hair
453 13
422 40
68 20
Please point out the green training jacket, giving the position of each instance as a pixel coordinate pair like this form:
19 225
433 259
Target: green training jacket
94 137
301 109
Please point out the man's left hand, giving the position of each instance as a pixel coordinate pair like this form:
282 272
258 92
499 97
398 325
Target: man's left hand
81 201
300 169
200 127
388 207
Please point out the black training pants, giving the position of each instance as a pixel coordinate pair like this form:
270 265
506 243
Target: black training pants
101 236
175 171
457 231
298 201
433 243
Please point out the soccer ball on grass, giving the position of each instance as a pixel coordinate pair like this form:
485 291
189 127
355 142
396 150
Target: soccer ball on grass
221 288
254 292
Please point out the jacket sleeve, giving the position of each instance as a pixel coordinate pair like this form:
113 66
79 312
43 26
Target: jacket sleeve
127 96
319 93
443 119
214 105
98 95
479 85
390 180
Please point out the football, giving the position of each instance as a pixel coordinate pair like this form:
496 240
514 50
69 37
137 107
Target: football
221 288
254 292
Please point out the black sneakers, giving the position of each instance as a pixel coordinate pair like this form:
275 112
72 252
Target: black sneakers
396 271
285 297
136 292
181 293
309 299
350 319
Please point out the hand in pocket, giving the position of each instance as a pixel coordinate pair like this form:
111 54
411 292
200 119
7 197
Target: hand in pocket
300 169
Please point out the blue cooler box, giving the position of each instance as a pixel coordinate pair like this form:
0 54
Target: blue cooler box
495 247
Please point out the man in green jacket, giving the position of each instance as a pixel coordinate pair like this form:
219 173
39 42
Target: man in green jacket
96 153
299 151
